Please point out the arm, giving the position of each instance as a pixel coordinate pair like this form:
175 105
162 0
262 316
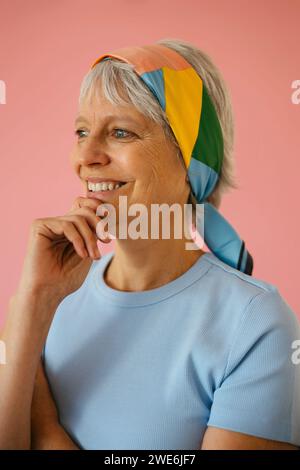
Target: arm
56 438
222 439
58 257
256 404
46 432
24 334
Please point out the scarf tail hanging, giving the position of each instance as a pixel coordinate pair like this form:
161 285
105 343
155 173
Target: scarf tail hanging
224 241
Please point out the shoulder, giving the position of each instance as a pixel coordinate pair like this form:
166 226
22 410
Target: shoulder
231 277
261 370
246 300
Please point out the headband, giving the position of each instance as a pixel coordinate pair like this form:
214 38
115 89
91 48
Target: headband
196 127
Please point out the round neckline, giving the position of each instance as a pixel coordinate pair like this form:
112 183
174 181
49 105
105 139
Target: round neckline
151 296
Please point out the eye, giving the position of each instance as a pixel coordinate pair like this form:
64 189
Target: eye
79 133
123 130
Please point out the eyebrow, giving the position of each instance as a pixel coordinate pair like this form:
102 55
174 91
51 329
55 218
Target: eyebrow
109 118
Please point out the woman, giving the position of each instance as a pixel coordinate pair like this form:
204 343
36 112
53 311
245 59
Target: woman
153 346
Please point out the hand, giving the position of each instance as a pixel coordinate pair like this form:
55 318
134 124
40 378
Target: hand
61 250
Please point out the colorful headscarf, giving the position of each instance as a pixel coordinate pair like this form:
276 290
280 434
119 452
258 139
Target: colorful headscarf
195 124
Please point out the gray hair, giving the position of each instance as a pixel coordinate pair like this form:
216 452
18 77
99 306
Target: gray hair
121 85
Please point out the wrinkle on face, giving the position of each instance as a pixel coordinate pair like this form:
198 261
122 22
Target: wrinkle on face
149 158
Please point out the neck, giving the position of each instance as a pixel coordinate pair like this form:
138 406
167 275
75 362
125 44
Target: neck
139 265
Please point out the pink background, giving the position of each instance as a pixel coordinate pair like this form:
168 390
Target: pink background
47 46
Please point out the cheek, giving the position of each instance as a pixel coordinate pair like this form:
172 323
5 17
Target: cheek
133 162
151 163
74 161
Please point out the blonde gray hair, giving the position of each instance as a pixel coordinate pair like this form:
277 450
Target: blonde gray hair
121 85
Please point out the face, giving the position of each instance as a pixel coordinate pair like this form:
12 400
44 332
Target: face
119 144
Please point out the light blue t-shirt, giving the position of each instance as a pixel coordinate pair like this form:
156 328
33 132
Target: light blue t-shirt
152 369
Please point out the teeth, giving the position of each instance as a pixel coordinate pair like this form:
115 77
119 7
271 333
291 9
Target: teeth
105 186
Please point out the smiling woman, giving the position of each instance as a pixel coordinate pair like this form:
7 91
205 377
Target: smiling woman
152 346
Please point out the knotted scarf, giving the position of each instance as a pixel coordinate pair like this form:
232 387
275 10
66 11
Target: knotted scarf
195 124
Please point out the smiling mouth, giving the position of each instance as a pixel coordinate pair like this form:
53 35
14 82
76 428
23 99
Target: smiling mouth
104 187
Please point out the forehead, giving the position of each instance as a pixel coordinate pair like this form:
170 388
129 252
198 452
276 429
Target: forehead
98 107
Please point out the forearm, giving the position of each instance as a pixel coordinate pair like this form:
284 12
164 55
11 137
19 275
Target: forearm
24 335
52 438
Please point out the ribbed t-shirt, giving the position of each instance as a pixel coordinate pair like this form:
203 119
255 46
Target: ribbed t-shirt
152 369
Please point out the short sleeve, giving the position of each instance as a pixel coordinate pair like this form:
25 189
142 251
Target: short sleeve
259 394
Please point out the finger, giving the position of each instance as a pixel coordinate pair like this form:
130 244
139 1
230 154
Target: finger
88 235
66 228
106 227
85 202
93 220
89 214
102 233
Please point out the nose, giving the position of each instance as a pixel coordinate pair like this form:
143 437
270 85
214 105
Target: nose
92 152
